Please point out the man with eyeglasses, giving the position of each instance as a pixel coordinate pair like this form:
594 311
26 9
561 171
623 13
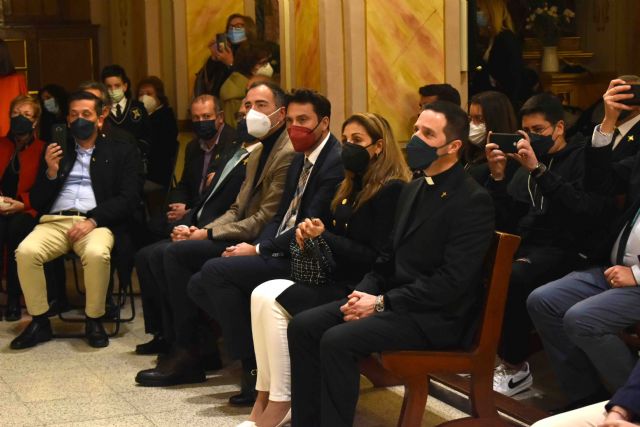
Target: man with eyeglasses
547 205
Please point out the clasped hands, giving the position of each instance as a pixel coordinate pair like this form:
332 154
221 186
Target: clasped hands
358 306
10 206
310 228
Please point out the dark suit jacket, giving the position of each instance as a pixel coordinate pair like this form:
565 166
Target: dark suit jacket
115 178
628 396
135 121
432 269
326 175
629 144
225 194
188 189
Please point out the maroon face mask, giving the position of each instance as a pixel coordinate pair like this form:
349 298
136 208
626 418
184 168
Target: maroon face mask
302 138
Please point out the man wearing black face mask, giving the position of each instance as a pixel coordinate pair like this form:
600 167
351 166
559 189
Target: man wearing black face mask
547 205
86 192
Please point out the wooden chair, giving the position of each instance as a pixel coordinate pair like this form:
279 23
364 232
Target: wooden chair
412 368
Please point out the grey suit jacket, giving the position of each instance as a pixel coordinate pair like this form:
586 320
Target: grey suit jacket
255 206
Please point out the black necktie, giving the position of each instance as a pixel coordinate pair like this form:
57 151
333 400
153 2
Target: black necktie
616 133
118 111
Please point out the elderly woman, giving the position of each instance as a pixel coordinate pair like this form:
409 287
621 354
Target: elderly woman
20 157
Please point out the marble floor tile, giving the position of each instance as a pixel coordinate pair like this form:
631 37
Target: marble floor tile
81 409
124 421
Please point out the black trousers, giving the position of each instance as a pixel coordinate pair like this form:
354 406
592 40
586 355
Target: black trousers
533 267
182 260
325 351
223 289
13 229
149 266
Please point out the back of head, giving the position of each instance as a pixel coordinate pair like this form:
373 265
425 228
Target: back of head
547 104
321 105
457 127
497 111
6 64
444 92
90 85
498 15
630 78
248 55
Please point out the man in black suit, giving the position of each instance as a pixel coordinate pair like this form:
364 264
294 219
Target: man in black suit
255 205
202 199
88 190
423 289
224 285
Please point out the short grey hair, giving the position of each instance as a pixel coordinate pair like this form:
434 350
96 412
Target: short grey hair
217 105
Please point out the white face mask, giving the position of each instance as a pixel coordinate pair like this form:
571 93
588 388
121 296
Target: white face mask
258 124
51 106
116 95
150 103
477 133
266 70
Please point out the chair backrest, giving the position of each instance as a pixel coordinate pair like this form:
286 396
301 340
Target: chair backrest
498 266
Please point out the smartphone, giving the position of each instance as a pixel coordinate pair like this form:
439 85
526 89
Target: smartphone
59 135
506 141
635 90
221 42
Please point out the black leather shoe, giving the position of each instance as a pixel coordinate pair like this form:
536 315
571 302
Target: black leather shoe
36 332
180 367
247 395
13 311
95 333
156 346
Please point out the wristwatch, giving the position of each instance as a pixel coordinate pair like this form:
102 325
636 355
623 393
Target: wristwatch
379 305
538 170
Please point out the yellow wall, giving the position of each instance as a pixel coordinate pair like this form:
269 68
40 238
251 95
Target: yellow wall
205 18
404 40
306 44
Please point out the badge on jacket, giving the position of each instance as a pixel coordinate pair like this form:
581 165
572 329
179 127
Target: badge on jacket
135 114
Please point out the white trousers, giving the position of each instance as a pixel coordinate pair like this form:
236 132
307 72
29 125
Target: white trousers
269 323
589 416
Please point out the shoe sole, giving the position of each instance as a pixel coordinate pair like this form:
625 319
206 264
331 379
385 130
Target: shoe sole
163 383
39 341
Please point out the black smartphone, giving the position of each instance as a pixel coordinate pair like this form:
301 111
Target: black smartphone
506 141
221 42
59 135
635 90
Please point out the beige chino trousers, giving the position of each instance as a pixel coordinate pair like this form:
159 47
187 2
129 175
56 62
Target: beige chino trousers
48 241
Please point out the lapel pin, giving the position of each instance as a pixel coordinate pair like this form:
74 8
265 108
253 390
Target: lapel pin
443 195
630 138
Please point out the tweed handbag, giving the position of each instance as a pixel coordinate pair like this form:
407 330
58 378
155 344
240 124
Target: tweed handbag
312 265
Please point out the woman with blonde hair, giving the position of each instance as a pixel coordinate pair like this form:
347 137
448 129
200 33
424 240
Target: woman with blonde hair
328 260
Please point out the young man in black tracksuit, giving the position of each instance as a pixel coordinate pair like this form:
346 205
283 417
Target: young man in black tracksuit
546 204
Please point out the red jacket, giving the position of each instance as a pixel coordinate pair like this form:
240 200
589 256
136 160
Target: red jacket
30 160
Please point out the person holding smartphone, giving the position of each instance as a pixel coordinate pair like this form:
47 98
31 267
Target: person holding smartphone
220 64
546 204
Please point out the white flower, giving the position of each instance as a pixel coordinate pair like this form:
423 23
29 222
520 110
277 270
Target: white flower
538 11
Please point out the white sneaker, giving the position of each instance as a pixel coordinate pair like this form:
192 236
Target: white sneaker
510 382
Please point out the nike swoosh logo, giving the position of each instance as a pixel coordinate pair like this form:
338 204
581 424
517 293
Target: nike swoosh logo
517 383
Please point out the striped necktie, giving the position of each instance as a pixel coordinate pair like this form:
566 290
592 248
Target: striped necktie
289 219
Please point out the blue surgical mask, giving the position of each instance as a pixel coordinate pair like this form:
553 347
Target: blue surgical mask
236 35
481 19
51 106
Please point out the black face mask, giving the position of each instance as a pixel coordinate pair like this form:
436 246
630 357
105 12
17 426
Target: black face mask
242 132
541 144
82 129
355 157
20 125
420 155
205 129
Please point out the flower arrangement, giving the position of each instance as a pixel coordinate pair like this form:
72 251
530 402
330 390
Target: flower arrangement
546 21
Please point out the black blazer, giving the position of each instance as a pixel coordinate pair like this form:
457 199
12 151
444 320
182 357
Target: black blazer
116 180
134 120
326 175
188 189
355 245
223 197
164 145
629 144
432 269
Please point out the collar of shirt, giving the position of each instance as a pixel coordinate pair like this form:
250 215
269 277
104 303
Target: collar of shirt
203 144
82 151
122 104
626 126
251 147
438 179
316 153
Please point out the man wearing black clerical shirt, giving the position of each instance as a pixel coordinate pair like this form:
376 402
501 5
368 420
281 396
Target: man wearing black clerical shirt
422 290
